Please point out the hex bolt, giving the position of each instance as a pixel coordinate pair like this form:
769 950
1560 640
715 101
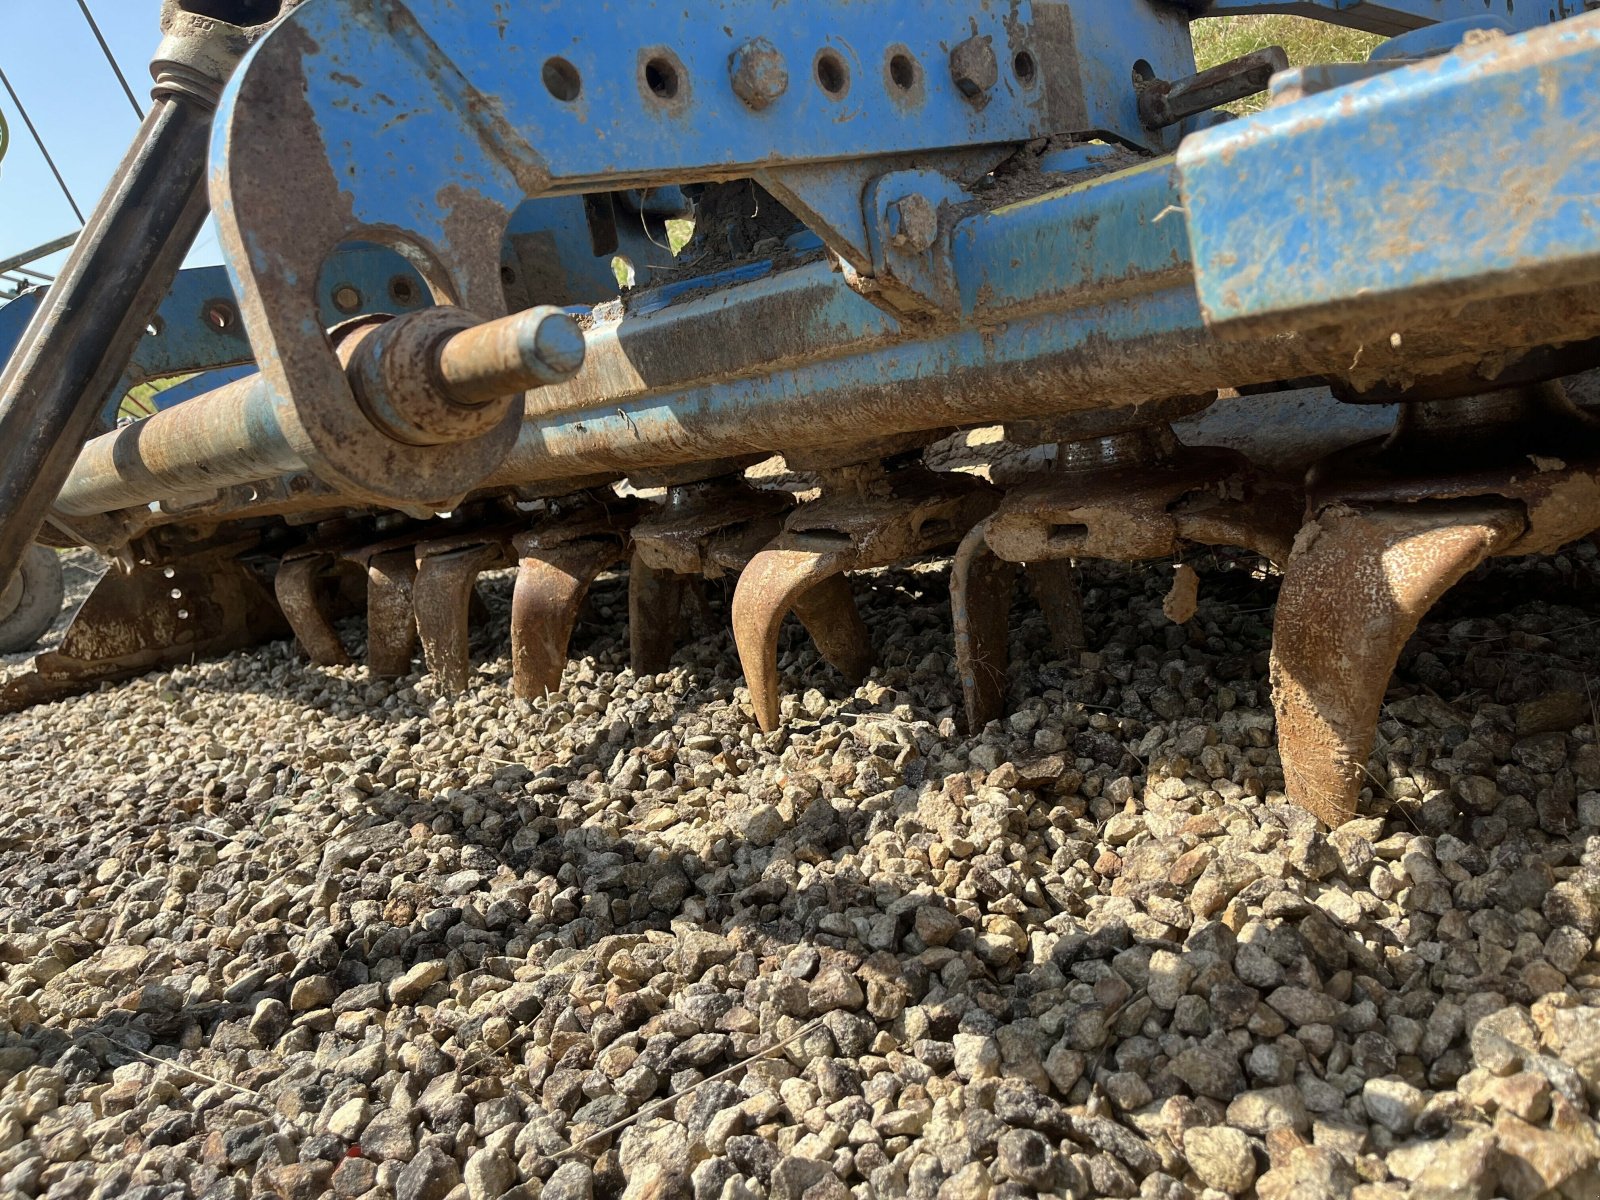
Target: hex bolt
758 73
913 223
506 357
975 69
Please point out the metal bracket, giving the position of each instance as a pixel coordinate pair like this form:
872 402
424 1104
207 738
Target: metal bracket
909 223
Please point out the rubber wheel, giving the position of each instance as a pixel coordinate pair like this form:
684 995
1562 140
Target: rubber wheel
30 604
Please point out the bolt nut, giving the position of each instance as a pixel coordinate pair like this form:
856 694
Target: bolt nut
758 73
913 223
975 69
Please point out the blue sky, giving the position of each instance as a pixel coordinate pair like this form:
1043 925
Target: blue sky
52 60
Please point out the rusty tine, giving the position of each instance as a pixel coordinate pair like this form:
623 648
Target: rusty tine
1054 584
442 599
828 612
301 595
552 582
872 513
830 616
391 617
1134 496
981 586
704 529
656 601
767 591
1356 588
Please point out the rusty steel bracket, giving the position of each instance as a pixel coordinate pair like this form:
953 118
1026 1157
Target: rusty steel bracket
877 518
315 587
552 582
153 618
557 562
981 589
1144 511
442 595
683 536
1132 512
391 614
303 595
390 567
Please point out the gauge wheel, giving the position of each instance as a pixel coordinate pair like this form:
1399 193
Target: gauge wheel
30 603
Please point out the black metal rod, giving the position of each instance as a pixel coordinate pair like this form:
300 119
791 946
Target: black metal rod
81 340
39 142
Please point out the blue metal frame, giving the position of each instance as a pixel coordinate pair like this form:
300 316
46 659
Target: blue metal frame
427 127
1460 209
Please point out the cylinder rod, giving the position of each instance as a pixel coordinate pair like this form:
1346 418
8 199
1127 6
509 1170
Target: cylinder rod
512 355
225 437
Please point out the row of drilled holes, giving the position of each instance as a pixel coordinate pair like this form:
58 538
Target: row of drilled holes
562 80
221 314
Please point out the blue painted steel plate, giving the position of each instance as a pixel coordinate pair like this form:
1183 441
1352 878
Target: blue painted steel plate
1466 176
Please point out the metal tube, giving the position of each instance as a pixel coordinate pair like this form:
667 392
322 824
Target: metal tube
1124 352
184 453
27 256
82 338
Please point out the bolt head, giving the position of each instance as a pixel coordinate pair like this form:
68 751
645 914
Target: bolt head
913 223
758 73
975 69
346 299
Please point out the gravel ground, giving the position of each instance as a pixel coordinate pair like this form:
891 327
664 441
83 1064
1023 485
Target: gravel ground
273 930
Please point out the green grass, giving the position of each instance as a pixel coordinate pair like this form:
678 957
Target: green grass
1216 40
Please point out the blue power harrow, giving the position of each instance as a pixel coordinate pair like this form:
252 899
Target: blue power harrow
1332 333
